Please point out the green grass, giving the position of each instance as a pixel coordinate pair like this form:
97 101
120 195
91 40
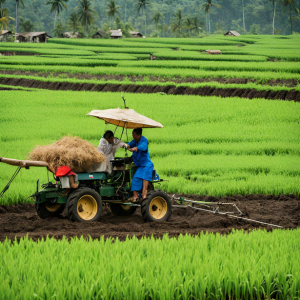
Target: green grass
209 146
258 265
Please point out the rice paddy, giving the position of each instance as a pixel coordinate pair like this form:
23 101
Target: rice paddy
209 146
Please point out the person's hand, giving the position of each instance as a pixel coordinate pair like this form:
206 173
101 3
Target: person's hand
133 149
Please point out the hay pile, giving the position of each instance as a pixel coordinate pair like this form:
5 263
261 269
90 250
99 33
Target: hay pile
70 151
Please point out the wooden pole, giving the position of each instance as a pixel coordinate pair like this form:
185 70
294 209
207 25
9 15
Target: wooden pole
23 163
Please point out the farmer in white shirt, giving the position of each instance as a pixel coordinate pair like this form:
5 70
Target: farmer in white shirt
108 146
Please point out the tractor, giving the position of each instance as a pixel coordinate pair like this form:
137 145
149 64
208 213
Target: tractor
101 188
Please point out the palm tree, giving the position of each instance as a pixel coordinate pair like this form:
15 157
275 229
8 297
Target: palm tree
291 4
4 16
243 16
27 25
59 29
196 24
112 9
57 6
158 16
188 24
142 4
17 5
125 9
73 21
177 22
86 13
274 9
207 6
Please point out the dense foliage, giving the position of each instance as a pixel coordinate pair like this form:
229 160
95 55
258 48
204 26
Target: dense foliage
163 17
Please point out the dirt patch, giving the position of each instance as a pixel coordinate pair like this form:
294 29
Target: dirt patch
284 210
176 79
170 90
12 53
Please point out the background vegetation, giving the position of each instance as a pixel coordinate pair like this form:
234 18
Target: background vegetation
157 17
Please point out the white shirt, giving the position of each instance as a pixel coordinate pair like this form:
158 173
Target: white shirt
109 150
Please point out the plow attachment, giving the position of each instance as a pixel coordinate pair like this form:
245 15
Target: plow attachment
215 208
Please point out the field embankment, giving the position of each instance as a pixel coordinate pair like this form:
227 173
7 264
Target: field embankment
290 94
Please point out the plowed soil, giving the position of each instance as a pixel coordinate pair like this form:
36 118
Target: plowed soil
20 220
291 95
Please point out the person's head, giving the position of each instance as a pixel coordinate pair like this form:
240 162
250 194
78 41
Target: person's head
109 136
137 133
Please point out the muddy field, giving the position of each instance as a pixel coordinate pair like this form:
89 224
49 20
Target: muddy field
19 220
291 95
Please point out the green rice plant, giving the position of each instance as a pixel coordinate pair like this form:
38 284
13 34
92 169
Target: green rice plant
59 61
208 146
38 50
193 55
158 72
257 265
290 67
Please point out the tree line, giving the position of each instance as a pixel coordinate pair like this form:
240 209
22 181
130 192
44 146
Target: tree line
177 18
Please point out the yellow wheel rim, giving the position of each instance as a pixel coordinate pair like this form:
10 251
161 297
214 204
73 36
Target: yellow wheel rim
158 207
126 207
87 207
53 208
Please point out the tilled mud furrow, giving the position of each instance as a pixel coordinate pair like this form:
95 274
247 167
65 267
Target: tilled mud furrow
20 220
291 95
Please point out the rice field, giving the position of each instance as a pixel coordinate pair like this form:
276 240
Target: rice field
258 265
278 57
208 146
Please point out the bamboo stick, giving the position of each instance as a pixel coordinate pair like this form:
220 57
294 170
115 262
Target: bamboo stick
23 163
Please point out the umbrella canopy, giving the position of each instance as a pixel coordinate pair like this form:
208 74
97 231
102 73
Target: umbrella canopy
127 118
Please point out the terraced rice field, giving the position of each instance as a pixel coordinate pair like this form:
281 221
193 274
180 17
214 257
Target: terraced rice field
231 133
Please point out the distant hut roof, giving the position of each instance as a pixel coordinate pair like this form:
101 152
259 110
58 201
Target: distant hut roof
34 34
116 33
100 33
2 32
135 34
232 33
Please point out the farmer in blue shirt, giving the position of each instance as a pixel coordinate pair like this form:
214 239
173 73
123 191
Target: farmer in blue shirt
141 158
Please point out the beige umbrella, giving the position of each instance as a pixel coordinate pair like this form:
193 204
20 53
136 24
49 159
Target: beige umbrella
126 118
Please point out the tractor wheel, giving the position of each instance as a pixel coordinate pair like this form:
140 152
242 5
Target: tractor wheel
49 210
122 210
156 207
84 204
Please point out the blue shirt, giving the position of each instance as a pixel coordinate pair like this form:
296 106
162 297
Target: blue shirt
141 158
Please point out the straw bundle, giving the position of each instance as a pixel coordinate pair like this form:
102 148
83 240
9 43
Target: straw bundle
73 152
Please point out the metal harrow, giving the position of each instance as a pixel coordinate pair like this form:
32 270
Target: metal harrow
214 207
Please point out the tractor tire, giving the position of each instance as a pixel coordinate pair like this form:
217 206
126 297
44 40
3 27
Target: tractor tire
49 210
84 205
122 210
156 207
